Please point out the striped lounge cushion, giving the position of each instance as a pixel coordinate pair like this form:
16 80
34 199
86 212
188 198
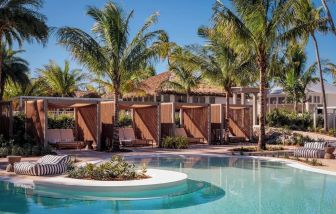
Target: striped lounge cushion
309 153
47 165
315 145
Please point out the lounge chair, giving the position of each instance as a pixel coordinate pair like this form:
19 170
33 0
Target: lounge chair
63 138
127 138
311 150
47 165
182 133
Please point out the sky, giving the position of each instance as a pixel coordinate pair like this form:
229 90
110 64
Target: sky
179 18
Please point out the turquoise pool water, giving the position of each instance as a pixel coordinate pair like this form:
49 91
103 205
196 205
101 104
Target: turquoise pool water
216 185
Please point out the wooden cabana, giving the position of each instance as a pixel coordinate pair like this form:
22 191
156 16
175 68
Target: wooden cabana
86 114
145 120
6 119
194 118
240 121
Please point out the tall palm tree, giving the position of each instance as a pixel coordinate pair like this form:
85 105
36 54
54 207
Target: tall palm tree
57 81
14 69
254 29
306 22
111 52
221 65
330 18
21 21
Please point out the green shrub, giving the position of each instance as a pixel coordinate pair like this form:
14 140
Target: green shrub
61 122
125 120
284 119
17 150
178 142
4 152
115 169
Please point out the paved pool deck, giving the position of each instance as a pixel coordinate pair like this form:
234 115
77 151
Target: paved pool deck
217 150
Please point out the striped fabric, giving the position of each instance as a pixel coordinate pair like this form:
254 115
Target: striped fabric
47 165
311 150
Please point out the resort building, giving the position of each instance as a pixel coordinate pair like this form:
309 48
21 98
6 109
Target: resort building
277 98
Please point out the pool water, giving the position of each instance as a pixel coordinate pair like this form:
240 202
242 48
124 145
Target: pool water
215 185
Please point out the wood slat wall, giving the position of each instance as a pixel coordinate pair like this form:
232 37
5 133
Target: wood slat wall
145 121
196 122
107 117
167 126
35 119
87 123
5 117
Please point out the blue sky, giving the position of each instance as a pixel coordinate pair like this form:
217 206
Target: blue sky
180 18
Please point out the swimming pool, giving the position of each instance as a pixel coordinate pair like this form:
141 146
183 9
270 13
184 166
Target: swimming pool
216 185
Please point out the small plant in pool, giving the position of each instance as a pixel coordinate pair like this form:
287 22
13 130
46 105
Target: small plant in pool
117 169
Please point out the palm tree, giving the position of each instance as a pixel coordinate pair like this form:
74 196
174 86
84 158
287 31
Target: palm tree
30 89
331 69
184 74
254 29
57 81
293 77
330 18
306 22
14 69
222 66
20 21
111 52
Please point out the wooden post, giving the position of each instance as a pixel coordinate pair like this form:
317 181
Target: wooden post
11 121
45 128
159 125
98 127
251 123
209 124
173 118
221 111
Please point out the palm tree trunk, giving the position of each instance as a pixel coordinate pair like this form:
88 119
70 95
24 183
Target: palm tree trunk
262 90
325 113
331 21
227 117
2 89
115 140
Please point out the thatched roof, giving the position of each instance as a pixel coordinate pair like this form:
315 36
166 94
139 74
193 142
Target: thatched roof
152 86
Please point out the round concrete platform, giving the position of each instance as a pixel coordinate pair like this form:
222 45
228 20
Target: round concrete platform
158 179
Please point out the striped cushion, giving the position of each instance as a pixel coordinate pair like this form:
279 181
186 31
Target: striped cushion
54 159
309 153
47 165
315 145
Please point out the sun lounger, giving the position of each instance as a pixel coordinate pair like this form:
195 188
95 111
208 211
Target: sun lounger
127 138
47 165
311 150
181 132
63 138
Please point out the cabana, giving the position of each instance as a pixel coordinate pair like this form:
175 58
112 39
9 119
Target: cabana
194 121
145 122
87 115
240 121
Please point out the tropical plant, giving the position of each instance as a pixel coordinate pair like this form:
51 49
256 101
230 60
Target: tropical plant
31 88
14 69
307 21
115 169
331 69
57 81
111 53
330 18
292 75
20 21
